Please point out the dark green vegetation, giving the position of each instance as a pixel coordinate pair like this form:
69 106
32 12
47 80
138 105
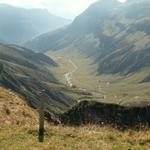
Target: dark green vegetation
88 112
19 25
28 73
116 35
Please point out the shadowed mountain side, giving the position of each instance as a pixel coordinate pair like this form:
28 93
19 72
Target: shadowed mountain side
28 73
87 112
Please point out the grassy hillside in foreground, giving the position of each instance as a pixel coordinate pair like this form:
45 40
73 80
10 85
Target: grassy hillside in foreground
18 130
70 138
14 111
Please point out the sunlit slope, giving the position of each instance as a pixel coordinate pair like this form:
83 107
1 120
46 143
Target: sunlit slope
14 111
66 138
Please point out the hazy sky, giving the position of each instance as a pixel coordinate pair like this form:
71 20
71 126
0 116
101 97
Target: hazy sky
65 8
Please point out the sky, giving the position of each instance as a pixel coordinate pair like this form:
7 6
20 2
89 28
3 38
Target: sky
65 8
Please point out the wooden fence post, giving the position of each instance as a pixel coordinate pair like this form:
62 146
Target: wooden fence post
41 122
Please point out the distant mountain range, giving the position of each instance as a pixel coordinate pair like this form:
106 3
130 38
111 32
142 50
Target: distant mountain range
19 25
116 35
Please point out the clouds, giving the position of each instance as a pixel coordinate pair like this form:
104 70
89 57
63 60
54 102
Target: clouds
122 1
69 7
66 8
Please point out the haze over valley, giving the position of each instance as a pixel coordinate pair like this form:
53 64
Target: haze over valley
19 25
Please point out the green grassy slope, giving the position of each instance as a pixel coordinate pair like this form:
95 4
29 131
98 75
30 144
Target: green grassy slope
120 89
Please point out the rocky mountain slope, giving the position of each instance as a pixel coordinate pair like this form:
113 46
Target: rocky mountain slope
114 34
19 25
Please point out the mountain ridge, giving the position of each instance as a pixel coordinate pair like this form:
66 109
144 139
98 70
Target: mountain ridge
26 24
112 38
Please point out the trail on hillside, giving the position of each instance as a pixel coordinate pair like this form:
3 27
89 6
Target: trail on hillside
68 75
71 71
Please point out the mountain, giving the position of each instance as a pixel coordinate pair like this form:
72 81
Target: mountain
29 75
114 34
19 25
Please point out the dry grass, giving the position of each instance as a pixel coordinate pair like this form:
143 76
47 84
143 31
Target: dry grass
19 131
14 111
71 138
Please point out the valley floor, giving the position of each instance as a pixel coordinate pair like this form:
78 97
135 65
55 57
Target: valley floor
79 71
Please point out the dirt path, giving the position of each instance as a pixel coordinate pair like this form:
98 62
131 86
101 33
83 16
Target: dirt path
68 75
71 68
